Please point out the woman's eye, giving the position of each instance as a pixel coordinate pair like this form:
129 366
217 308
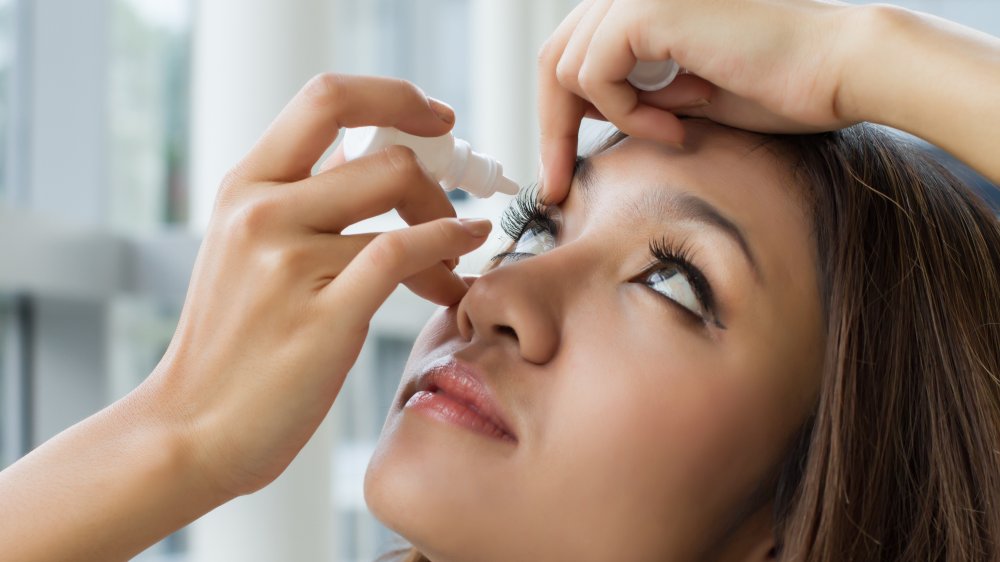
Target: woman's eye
533 241
671 282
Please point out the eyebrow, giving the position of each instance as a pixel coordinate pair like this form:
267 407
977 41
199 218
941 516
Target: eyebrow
676 201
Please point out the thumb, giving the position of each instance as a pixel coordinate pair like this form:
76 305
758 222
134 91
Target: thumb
394 256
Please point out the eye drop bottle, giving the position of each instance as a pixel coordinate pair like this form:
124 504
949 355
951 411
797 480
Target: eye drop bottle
653 75
449 160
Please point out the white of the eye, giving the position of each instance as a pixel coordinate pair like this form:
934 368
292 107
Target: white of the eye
534 242
674 285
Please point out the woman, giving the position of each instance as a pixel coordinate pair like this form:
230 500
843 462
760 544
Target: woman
751 349
740 348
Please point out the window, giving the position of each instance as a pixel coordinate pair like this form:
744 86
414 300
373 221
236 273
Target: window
5 456
6 85
362 407
149 86
15 392
424 41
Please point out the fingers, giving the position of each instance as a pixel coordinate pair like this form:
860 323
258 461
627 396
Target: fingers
437 284
609 59
366 187
309 123
560 112
323 257
394 256
568 68
688 95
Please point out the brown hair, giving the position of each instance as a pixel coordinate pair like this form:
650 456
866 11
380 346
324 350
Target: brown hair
901 458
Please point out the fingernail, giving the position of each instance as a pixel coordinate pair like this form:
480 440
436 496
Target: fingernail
700 102
476 227
451 264
675 145
443 110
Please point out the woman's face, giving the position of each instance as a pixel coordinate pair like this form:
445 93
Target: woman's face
650 358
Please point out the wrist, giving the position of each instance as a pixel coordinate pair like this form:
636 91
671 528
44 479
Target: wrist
872 37
109 486
170 438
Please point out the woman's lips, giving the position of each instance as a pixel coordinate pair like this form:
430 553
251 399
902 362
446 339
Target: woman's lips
455 392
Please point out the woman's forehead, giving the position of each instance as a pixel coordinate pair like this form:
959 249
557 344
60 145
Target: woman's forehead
733 171
715 162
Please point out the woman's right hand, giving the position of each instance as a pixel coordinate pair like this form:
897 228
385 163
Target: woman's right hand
279 302
762 65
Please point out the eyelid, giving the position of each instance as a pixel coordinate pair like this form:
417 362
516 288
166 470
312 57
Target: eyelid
666 252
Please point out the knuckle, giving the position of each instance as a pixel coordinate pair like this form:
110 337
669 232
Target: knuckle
444 230
387 251
549 54
587 80
232 183
566 73
232 179
292 260
254 216
402 160
409 89
327 88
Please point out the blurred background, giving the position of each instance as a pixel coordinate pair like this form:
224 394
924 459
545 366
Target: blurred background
118 118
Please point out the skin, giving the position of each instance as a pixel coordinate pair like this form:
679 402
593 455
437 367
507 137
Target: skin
642 432
768 66
273 277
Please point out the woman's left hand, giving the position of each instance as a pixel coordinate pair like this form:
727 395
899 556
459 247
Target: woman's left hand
762 65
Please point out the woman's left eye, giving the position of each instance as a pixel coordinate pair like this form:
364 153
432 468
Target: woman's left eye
533 241
671 282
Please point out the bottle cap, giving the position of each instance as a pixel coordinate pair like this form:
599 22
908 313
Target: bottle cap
653 75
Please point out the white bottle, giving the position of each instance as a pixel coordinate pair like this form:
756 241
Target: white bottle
449 160
653 75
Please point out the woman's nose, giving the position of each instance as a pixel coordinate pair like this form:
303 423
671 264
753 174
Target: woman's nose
507 307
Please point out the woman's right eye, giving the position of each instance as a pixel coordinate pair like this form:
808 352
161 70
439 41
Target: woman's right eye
533 241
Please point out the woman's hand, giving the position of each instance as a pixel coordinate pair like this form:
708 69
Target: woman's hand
763 65
277 309
279 302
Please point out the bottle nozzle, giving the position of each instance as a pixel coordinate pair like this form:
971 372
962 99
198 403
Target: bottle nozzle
503 184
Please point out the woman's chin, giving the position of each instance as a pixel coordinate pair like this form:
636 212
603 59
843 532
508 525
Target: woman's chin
426 476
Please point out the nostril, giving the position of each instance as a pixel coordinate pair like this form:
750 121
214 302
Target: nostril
506 331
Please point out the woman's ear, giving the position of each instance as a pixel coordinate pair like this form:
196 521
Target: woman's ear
765 549
753 540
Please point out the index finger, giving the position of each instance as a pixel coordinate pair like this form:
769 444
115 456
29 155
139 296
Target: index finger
559 111
310 122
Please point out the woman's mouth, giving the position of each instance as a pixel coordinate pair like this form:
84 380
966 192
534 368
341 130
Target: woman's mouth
457 393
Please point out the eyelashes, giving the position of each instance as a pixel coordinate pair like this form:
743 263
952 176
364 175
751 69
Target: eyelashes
525 211
531 225
667 254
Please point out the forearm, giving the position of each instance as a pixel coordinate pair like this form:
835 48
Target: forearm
105 489
927 76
